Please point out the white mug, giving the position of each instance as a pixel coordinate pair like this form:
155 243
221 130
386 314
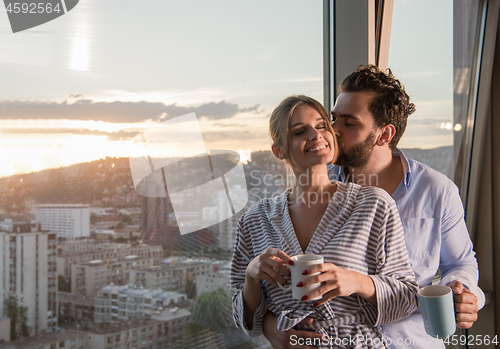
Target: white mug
300 263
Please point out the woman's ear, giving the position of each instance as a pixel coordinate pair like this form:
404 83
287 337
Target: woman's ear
277 152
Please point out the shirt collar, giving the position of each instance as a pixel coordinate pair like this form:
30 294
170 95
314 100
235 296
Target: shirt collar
406 166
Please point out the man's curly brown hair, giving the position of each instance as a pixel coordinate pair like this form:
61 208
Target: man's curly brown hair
391 104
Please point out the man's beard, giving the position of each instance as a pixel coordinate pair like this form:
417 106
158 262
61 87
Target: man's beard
358 155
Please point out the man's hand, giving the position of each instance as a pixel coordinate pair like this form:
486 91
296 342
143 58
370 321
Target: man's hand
281 340
465 305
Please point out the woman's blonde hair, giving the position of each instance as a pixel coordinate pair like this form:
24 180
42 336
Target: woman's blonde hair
279 123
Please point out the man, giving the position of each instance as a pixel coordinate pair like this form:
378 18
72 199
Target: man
370 117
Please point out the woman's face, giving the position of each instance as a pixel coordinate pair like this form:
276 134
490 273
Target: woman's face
310 143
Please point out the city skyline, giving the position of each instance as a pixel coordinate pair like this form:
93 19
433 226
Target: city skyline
80 87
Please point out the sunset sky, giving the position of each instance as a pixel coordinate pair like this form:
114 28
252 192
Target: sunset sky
81 87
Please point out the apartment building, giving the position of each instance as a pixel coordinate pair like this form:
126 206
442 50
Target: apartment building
212 282
80 252
28 264
88 278
174 274
75 308
157 331
227 228
120 303
67 220
67 339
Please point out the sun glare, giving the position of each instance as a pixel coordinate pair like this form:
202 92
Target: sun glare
80 54
25 154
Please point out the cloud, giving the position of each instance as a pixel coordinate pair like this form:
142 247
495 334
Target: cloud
228 125
420 74
215 136
112 136
114 112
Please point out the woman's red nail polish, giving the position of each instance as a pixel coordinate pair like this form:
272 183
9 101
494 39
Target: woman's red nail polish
290 262
305 272
300 284
304 298
315 304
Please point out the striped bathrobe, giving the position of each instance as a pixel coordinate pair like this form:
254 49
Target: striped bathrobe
360 231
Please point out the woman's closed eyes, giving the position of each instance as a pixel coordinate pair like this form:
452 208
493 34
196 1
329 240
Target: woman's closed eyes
301 130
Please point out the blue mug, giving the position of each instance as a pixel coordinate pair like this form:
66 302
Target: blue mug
438 310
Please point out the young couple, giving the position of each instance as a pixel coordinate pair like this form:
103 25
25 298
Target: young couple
369 280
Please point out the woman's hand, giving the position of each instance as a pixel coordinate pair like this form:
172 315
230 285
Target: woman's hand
337 282
269 265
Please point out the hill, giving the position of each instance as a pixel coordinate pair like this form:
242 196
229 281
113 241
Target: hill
101 183
108 182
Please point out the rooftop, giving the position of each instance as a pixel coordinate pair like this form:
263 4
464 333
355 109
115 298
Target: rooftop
118 327
62 206
75 299
171 313
43 338
139 291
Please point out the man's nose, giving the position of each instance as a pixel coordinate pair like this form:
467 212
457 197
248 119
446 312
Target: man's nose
336 128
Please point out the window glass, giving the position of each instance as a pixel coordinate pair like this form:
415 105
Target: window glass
433 53
75 93
421 56
435 49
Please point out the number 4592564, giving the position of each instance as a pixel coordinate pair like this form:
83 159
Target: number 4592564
24 7
471 340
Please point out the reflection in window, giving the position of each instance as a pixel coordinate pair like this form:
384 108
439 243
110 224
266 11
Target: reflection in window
76 91
433 53
421 56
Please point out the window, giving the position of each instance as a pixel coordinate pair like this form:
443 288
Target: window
61 344
430 131
231 65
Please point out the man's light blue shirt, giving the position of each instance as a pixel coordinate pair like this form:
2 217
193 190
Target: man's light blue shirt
436 237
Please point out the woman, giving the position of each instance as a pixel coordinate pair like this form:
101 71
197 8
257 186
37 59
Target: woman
366 278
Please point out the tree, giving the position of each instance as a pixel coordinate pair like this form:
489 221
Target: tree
18 317
24 330
127 219
213 311
191 289
120 240
93 218
62 284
